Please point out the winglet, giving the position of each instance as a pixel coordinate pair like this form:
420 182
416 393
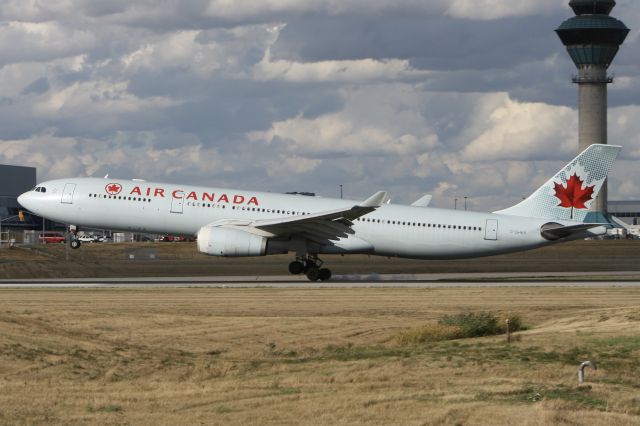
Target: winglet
375 201
423 201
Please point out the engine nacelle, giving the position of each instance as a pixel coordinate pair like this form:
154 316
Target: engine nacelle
216 241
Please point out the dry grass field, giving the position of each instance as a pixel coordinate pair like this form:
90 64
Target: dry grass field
314 357
182 259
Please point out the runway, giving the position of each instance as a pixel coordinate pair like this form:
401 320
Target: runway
443 280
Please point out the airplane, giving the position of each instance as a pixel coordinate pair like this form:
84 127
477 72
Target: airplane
230 222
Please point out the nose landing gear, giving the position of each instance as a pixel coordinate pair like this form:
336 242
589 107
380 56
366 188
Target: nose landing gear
311 266
73 235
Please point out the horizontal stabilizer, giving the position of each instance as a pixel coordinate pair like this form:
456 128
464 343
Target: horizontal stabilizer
555 231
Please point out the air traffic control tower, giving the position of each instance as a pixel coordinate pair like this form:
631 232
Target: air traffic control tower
592 38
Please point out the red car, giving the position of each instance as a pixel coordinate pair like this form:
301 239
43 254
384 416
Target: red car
171 238
51 237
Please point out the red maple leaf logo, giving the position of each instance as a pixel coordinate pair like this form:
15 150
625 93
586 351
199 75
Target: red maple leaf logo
113 188
573 195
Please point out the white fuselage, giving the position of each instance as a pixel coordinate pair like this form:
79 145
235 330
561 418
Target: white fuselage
390 230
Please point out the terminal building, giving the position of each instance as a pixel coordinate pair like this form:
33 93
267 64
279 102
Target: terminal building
627 211
14 180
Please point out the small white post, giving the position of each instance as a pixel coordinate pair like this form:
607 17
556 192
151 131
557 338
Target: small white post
581 370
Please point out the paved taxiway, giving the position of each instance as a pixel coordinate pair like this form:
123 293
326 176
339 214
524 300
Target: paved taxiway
524 279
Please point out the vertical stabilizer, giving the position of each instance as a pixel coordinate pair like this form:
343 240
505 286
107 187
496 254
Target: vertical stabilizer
571 192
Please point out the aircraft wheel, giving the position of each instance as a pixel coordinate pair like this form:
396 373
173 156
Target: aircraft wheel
75 244
313 273
296 267
324 274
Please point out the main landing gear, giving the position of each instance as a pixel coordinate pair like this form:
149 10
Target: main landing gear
311 266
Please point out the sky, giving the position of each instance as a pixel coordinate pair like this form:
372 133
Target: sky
455 98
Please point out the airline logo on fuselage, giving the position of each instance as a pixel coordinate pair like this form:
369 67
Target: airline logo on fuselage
210 197
113 188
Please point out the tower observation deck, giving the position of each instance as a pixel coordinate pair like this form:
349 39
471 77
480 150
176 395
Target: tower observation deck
592 39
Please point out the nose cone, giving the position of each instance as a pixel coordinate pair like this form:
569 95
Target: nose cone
23 200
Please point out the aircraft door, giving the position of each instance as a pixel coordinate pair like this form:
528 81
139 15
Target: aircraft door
491 230
67 193
177 204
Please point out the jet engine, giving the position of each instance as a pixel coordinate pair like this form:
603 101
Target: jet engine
229 242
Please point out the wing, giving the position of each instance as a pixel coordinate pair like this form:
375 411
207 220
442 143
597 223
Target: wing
322 227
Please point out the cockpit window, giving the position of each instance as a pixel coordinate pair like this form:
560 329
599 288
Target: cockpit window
43 189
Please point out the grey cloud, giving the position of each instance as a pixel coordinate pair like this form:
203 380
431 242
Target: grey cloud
431 42
38 87
498 55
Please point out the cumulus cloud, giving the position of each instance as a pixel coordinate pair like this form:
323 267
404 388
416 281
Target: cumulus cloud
349 71
134 154
512 130
624 129
361 128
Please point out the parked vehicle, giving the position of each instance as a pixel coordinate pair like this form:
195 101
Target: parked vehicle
86 238
172 238
51 238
